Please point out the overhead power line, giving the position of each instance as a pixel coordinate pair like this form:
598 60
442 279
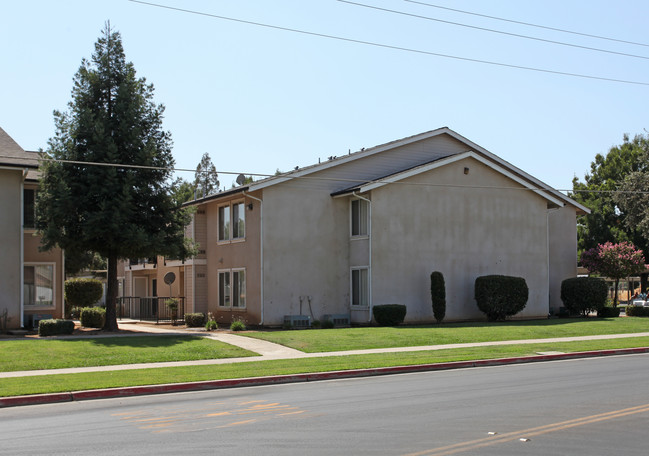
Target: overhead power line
501 32
396 48
291 175
529 24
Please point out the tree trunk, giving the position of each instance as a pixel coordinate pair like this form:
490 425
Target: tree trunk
111 295
617 282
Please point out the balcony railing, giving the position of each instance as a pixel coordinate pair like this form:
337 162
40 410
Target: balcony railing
151 308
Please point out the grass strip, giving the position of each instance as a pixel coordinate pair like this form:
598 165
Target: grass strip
18 355
137 377
317 341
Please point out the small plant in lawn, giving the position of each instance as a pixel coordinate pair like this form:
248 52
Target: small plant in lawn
172 305
211 324
238 325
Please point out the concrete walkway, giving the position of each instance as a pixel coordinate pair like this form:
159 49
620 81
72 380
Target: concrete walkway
271 351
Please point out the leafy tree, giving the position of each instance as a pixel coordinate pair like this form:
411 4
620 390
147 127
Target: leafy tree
117 211
82 261
206 178
615 261
182 191
606 223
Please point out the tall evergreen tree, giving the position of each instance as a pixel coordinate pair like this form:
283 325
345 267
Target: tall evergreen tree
106 177
206 179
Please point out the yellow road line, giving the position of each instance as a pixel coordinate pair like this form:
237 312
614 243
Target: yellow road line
531 432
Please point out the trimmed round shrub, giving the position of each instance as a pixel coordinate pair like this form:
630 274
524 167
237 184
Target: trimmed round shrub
582 295
83 292
438 295
389 314
194 320
93 317
55 327
500 296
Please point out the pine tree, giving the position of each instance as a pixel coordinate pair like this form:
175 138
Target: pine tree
206 179
88 203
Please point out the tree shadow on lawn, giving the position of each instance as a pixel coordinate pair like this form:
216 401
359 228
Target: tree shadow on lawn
157 341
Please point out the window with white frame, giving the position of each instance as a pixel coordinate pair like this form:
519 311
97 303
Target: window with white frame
38 285
359 217
232 222
232 288
360 289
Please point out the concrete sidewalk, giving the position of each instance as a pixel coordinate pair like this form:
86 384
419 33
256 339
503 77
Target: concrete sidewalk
271 351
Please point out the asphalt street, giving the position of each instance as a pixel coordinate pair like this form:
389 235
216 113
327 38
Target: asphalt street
576 407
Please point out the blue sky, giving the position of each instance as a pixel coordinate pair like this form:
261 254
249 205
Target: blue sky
259 99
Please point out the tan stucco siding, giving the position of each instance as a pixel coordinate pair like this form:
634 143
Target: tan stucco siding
563 251
461 229
231 255
10 233
53 257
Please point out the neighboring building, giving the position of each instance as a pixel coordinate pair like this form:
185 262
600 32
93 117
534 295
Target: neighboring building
31 282
368 228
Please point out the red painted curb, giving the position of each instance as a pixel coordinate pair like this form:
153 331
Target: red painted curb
296 378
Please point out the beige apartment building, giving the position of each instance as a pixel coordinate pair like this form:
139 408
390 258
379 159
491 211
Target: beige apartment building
31 282
368 228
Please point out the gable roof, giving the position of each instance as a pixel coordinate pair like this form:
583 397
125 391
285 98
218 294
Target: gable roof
12 155
472 150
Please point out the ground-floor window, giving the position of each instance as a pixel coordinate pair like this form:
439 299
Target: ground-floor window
232 288
38 285
360 287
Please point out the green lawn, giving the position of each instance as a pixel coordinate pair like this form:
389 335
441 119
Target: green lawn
29 354
325 340
96 380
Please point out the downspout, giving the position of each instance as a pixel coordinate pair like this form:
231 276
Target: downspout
261 252
369 232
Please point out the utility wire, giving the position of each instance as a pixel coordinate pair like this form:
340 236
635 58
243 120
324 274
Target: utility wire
290 175
397 48
484 29
599 37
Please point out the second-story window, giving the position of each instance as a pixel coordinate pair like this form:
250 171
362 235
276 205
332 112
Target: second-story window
232 222
359 217
29 205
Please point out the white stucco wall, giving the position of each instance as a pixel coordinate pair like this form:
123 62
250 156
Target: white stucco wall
563 251
462 229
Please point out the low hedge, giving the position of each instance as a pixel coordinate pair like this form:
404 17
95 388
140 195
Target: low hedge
608 312
500 296
93 317
194 320
637 311
389 314
55 327
582 295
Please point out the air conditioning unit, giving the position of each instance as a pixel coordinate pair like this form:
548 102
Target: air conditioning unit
297 321
338 319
